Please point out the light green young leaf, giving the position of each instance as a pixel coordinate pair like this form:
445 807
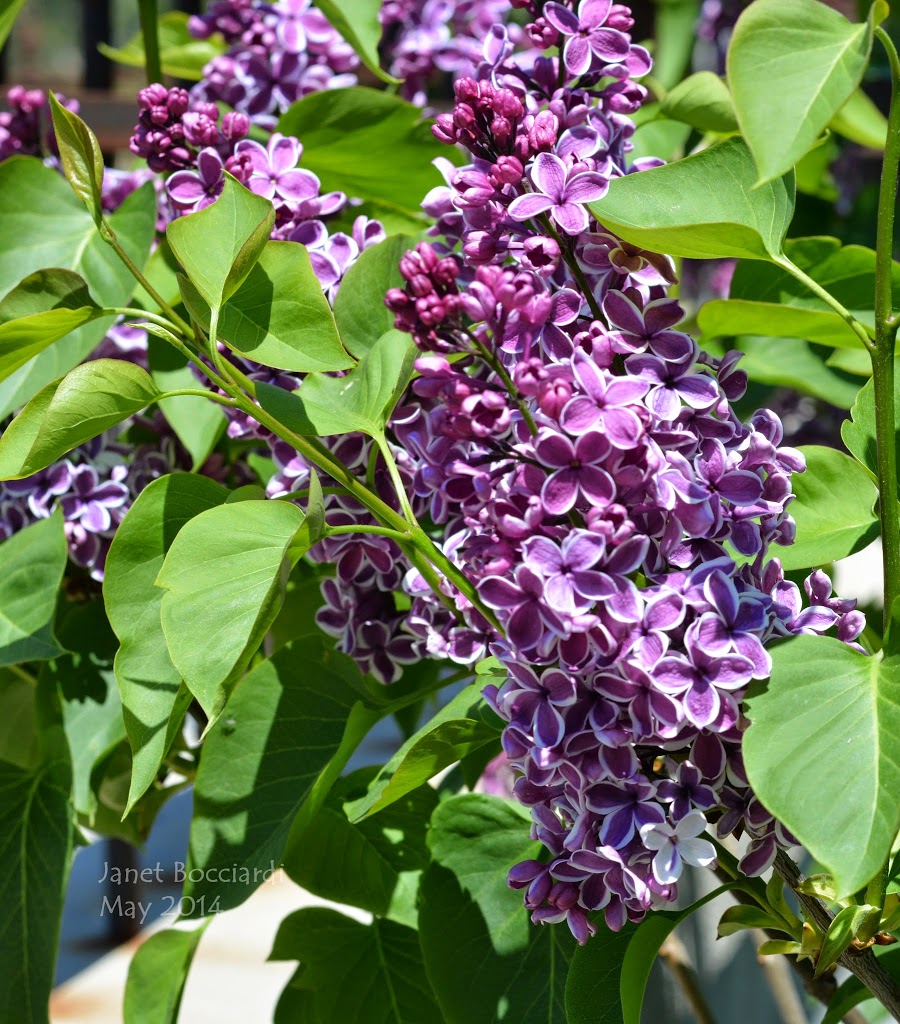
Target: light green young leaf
181 55
801 58
358 22
39 311
841 932
859 120
261 761
9 11
703 101
362 400
224 578
704 206
279 316
834 509
79 153
359 309
157 973
338 125
219 245
153 698
824 734
46 225
455 731
858 433
92 398
389 983
33 562
739 918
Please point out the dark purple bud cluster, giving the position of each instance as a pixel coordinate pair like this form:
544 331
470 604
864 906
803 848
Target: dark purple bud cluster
26 128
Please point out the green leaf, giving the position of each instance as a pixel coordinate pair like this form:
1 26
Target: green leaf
834 509
45 225
823 736
20 742
39 311
858 433
768 300
704 206
338 126
484 958
780 947
359 309
841 932
621 995
859 120
82 161
455 731
90 399
739 918
279 316
374 864
224 579
156 976
703 101
479 838
260 762
804 60
33 562
153 698
9 11
675 34
358 22
793 363
362 400
852 992
91 708
219 245
198 422
181 55
36 825
388 979
656 135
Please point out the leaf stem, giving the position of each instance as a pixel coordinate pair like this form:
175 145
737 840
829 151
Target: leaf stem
494 363
199 393
858 329
885 340
109 236
149 22
378 531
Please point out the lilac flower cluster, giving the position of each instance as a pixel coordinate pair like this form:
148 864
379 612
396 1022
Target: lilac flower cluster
579 458
26 128
93 487
277 54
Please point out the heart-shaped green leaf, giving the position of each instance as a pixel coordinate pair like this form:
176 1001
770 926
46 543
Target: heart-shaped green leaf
279 316
224 579
363 400
802 59
219 245
39 311
823 733
358 22
703 101
705 206
92 398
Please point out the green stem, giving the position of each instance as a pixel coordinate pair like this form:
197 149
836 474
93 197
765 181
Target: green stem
378 531
109 236
394 473
572 263
135 313
198 393
885 340
149 16
858 329
494 363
